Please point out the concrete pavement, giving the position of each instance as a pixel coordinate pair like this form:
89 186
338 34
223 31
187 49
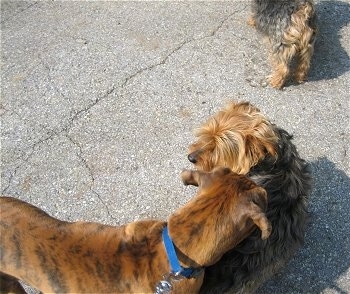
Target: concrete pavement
99 101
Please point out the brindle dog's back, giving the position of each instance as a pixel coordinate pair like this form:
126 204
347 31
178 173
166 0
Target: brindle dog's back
62 257
58 251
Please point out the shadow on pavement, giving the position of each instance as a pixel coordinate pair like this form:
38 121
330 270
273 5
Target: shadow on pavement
330 60
325 256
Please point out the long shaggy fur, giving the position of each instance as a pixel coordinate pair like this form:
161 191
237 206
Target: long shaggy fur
290 26
241 138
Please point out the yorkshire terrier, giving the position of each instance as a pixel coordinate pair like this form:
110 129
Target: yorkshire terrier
290 26
242 138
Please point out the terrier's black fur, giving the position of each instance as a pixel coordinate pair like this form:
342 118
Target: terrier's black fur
290 26
287 181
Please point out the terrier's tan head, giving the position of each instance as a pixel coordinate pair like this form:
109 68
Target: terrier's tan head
239 136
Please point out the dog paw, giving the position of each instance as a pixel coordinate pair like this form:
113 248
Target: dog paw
275 82
251 22
186 177
300 78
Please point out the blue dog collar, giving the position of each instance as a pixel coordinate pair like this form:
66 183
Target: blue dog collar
177 272
176 268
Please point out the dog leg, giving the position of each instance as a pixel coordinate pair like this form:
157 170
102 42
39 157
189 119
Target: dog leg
302 32
9 284
304 57
251 21
280 71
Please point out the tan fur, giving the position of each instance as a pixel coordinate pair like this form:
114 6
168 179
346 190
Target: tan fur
297 42
62 257
305 48
251 21
238 137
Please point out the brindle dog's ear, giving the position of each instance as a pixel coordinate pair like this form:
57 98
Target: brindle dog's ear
258 195
258 205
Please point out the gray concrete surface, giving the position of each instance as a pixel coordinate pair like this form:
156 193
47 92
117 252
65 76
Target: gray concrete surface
99 101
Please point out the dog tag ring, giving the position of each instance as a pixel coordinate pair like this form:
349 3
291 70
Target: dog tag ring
164 287
175 276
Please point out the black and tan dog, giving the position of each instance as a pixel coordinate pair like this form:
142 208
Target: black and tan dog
242 138
290 26
62 257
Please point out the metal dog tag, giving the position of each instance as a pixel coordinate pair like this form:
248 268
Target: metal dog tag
163 287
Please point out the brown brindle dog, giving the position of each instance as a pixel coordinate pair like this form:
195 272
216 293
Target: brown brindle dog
63 257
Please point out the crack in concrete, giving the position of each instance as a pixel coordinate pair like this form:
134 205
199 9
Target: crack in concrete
19 12
162 62
182 44
49 77
3 191
105 205
221 24
82 159
52 133
110 91
87 108
25 158
91 174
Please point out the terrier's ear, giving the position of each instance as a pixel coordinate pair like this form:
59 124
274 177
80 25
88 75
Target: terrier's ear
258 205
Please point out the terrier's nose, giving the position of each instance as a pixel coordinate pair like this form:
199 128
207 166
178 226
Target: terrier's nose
192 157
